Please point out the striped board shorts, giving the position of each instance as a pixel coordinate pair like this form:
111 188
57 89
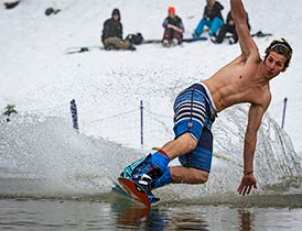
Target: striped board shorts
194 113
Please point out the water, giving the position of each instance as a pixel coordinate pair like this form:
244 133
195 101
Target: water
54 214
52 178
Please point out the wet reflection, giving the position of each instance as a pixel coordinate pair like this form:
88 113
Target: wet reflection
158 219
246 220
187 221
181 219
73 215
132 216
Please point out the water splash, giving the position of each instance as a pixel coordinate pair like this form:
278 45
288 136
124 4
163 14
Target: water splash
277 165
44 157
40 155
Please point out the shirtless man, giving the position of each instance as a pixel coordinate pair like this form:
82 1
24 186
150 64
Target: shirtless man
244 80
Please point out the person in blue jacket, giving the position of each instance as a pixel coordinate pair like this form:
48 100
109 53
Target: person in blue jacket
212 18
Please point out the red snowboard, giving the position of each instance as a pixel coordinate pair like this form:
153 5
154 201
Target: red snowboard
134 191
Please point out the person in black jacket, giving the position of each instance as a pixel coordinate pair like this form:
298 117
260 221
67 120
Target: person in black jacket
112 36
212 18
174 28
229 27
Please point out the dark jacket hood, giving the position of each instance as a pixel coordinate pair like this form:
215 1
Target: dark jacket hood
116 11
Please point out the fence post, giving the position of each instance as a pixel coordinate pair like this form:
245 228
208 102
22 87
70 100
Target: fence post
284 112
142 123
74 115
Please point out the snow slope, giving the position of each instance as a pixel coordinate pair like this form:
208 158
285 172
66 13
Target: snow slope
38 77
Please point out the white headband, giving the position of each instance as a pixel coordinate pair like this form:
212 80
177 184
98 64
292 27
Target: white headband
282 45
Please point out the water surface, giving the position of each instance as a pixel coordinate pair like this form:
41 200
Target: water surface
120 214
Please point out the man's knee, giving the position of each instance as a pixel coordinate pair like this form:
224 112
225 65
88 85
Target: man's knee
201 177
189 140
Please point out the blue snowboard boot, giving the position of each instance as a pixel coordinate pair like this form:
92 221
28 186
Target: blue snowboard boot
149 172
145 173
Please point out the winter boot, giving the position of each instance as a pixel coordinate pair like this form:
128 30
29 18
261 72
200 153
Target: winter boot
174 42
166 43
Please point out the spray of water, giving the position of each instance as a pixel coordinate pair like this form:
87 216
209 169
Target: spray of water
44 157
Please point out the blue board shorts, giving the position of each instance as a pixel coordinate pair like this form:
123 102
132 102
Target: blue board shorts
194 113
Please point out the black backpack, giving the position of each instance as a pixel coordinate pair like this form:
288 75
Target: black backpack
135 39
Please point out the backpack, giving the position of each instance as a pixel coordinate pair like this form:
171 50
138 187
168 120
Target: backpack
135 39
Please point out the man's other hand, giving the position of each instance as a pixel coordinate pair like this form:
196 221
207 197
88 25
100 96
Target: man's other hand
247 183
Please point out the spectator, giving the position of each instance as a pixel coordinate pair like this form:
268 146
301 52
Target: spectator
112 36
174 28
229 27
212 18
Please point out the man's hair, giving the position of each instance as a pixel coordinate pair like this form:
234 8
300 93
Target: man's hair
282 47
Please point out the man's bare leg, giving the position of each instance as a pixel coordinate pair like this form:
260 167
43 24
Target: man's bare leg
177 174
186 175
182 145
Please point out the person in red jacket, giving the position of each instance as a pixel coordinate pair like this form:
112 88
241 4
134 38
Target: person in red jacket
174 28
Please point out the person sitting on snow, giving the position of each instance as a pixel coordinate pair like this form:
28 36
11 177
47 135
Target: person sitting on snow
212 18
112 36
174 28
229 27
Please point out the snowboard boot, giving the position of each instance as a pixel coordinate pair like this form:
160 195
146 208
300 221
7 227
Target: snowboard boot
166 43
174 42
145 182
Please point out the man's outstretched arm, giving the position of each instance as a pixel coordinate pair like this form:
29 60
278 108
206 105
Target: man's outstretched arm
247 44
255 115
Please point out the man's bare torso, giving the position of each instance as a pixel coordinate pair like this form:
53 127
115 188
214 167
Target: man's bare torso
239 82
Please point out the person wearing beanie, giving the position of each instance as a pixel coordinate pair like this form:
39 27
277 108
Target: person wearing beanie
112 35
173 28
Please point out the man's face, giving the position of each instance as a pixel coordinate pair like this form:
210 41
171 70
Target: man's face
274 64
